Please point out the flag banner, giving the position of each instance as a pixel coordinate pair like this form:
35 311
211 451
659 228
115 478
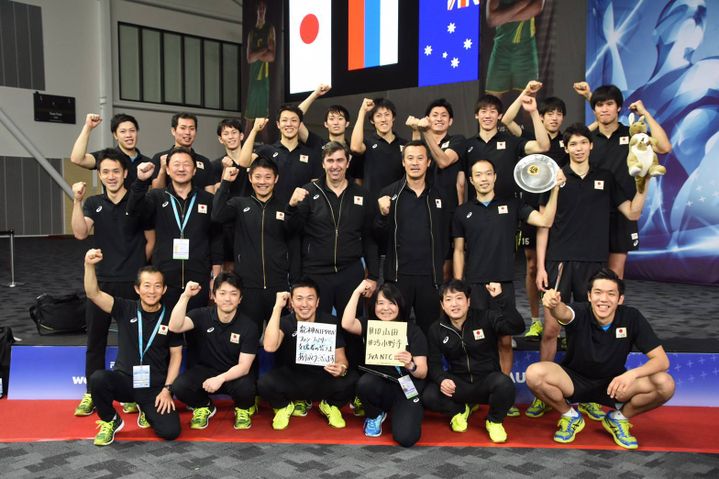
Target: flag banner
372 30
310 42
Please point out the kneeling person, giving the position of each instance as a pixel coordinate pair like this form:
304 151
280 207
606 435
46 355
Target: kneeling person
600 336
148 356
227 343
332 385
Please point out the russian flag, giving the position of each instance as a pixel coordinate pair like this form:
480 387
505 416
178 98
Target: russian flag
372 33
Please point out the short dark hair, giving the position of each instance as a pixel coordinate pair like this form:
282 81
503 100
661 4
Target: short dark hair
577 129
608 274
293 108
552 103
485 160
439 103
113 155
122 118
332 147
416 143
488 100
382 103
305 282
454 286
229 123
606 93
264 162
179 149
227 277
338 109
393 294
183 115
148 269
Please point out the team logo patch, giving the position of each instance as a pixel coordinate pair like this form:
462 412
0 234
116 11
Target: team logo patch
280 215
445 340
438 203
133 320
294 334
401 148
635 236
165 204
598 184
202 208
561 143
316 196
163 329
478 334
502 209
623 140
501 145
304 158
235 338
359 200
275 154
445 145
200 165
374 146
469 215
210 329
469 150
99 208
247 208
621 332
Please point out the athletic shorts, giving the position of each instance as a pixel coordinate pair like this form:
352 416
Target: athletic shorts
575 278
623 234
512 66
589 390
527 236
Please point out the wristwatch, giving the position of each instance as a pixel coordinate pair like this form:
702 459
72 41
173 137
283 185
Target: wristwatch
413 368
168 387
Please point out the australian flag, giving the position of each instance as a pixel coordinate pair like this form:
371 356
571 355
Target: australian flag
448 41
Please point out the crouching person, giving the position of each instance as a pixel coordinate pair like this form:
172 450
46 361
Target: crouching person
148 356
227 343
600 336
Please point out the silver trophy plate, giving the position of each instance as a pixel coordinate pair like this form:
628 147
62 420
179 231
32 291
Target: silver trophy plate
536 173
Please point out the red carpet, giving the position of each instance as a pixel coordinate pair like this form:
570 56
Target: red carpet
678 429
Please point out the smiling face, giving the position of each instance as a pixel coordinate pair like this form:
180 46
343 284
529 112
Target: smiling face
552 121
335 166
231 138
487 116
385 309
263 181
415 161
455 305
336 123
383 120
181 168
304 301
439 120
288 124
185 132
227 298
112 175
150 289
483 177
578 147
604 297
126 135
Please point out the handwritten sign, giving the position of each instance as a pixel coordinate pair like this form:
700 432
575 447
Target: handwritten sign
315 343
384 340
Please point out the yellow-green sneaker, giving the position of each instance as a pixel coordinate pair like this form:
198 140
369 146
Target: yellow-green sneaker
107 431
333 414
201 416
302 408
86 406
619 429
593 410
537 409
496 431
282 417
130 407
568 428
357 407
513 411
458 423
242 418
142 422
534 333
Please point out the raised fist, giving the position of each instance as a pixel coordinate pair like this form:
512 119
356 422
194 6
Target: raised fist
78 189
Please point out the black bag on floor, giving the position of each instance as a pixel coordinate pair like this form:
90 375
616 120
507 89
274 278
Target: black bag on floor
6 340
59 314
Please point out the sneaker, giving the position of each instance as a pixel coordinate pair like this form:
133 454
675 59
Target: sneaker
107 431
619 429
592 410
201 416
357 407
282 416
496 431
513 411
333 414
534 333
537 409
86 406
473 408
568 427
142 421
242 418
130 408
302 408
458 423
373 427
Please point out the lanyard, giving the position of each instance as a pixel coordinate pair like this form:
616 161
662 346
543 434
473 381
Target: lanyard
182 225
152 336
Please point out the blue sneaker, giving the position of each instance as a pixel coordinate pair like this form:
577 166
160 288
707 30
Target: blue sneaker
619 429
568 427
373 427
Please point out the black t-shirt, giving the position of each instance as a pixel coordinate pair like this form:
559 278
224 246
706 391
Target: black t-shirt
445 179
288 349
414 233
489 236
504 150
581 226
599 354
297 167
381 162
220 344
130 164
240 187
118 235
611 154
204 172
128 352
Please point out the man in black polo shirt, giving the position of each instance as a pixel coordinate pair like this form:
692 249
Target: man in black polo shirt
148 356
600 336
298 162
184 131
484 230
264 251
579 237
504 149
413 226
380 154
120 238
332 385
611 147
227 345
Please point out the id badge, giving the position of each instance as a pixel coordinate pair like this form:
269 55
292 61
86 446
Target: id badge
180 248
141 377
407 386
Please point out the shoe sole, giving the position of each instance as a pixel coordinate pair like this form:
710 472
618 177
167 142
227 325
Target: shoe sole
141 426
84 414
574 436
112 439
609 429
241 428
208 421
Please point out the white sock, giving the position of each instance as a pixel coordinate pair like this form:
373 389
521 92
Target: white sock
617 415
571 413
535 319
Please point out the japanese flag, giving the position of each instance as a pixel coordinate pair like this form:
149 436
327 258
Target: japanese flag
310 44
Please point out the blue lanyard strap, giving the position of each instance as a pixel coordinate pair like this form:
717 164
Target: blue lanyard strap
152 336
188 212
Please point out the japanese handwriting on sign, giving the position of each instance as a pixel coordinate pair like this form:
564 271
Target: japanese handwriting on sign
315 343
384 340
